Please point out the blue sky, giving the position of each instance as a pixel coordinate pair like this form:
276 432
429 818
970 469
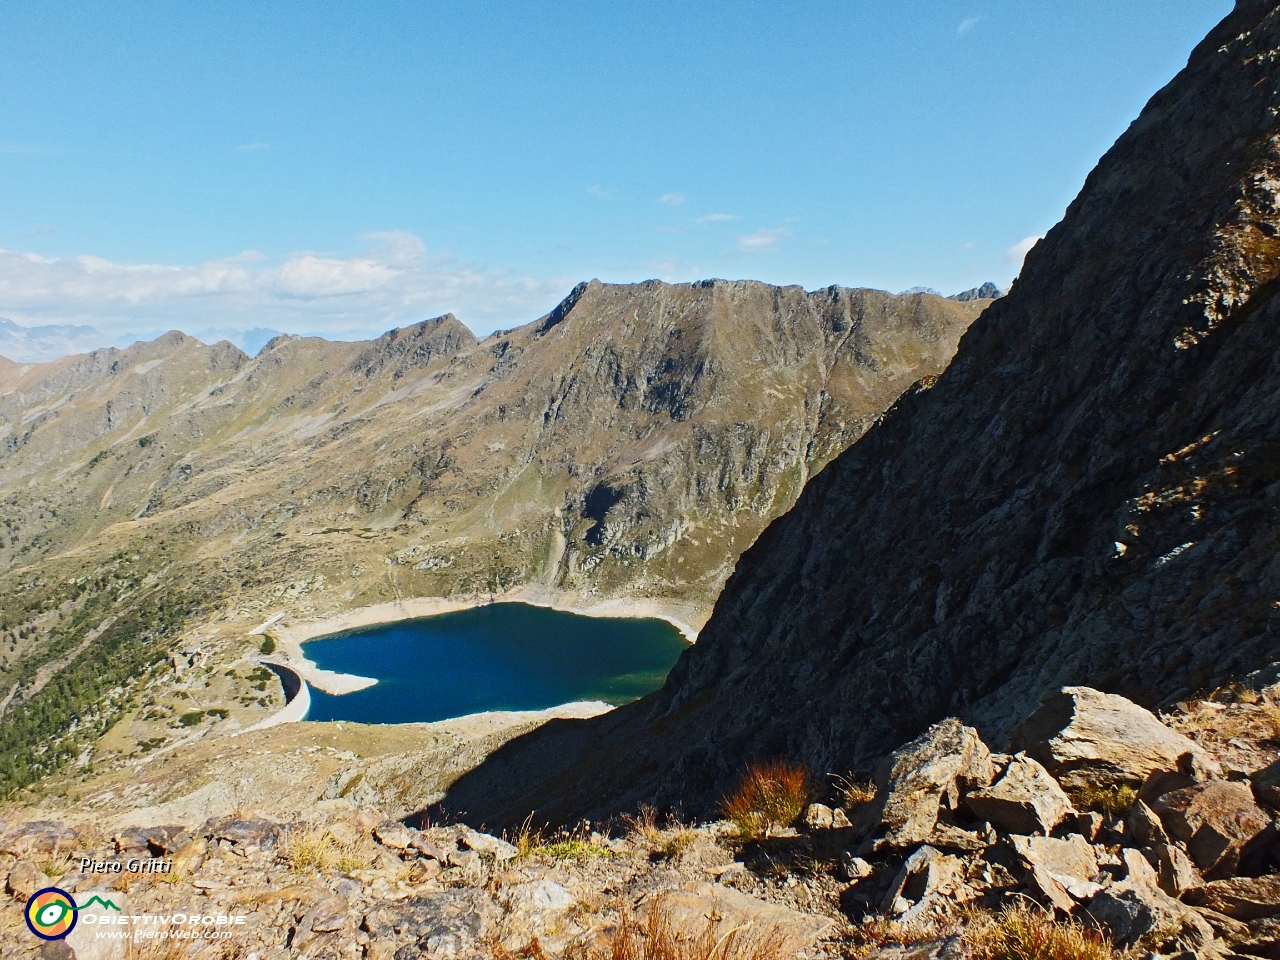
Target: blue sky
345 168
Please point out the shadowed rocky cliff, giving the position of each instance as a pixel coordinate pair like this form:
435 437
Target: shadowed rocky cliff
1087 495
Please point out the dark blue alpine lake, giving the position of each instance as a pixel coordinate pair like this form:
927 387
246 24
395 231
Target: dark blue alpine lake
504 656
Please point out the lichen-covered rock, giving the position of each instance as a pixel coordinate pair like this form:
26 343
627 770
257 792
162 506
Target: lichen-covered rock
1026 799
1215 820
1088 738
931 771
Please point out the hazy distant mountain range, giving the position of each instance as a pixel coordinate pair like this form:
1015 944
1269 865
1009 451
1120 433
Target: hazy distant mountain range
55 341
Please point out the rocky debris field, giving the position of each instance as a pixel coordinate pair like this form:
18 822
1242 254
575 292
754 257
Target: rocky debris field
1130 833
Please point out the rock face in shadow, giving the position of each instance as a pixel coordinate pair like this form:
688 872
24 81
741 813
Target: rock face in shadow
1088 495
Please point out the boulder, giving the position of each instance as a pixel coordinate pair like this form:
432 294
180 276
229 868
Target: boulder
443 924
1223 925
854 867
1088 738
1060 891
925 872
1026 799
1266 785
395 835
1088 825
934 769
328 916
1143 826
689 909
429 848
1178 876
1138 869
818 816
1243 898
1216 821
24 880
1072 856
243 833
38 836
424 870
1263 939
157 841
485 844
1135 913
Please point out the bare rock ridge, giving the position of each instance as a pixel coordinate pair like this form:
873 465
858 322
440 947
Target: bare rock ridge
1088 494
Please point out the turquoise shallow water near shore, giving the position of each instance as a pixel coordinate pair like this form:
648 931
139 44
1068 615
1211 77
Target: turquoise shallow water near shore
504 656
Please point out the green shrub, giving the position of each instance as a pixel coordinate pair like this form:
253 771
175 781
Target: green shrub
268 645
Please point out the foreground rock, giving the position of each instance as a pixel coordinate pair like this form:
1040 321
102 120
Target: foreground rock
1217 821
1026 799
1088 738
925 776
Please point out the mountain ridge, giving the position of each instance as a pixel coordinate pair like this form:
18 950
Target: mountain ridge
627 451
1084 496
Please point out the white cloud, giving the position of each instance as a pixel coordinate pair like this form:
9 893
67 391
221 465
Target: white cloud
395 281
252 147
1018 252
599 192
763 240
718 218
967 24
672 199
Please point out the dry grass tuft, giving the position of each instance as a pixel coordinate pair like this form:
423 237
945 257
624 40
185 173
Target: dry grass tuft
674 846
528 839
770 795
644 825
657 938
313 848
181 948
1019 932
1024 932
1114 799
55 867
853 790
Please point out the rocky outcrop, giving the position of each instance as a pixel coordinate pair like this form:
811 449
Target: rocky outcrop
1026 799
1084 736
1086 496
927 773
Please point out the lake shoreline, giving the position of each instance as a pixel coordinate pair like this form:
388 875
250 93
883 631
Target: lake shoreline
291 635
